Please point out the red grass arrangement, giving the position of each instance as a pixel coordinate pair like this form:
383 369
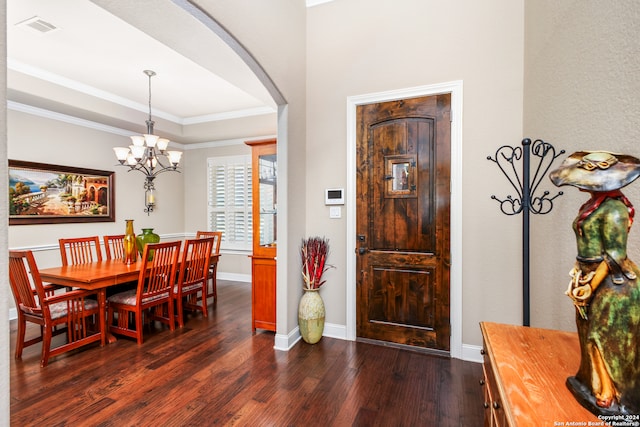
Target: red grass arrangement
314 252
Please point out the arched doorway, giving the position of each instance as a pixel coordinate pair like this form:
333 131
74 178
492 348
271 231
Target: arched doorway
150 21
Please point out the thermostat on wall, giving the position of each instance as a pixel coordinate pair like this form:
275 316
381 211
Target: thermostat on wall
334 196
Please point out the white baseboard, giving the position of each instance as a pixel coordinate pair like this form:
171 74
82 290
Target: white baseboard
471 353
234 277
286 342
333 330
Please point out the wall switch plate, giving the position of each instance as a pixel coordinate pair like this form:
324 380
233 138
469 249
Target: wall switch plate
335 212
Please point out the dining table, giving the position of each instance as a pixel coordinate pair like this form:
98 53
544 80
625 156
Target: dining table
94 276
97 276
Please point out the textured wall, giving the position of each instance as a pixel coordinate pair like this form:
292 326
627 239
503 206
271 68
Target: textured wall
358 48
581 91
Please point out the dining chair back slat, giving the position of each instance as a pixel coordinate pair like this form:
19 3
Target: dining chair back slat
81 250
191 290
35 304
162 271
217 239
114 246
213 268
25 293
153 294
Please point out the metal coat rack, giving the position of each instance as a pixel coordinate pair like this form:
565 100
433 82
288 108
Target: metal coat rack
526 201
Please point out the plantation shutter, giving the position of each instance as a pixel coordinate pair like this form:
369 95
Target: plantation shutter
229 204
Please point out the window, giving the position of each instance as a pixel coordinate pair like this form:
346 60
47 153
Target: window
229 200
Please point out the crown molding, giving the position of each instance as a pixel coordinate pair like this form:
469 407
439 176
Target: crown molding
56 79
249 112
226 142
48 114
52 115
311 3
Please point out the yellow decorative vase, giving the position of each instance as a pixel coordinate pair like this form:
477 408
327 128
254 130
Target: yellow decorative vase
129 243
311 316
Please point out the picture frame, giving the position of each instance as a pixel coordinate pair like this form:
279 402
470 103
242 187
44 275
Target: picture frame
41 193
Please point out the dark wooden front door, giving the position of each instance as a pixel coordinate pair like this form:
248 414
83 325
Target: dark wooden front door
403 198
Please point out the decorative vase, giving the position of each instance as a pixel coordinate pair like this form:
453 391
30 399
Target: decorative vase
147 236
129 243
311 316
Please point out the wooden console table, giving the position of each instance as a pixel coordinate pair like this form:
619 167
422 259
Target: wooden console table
525 370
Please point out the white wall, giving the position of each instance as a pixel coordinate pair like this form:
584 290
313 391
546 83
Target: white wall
385 46
581 93
37 139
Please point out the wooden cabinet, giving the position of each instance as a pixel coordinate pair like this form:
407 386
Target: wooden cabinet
264 180
494 415
525 370
263 293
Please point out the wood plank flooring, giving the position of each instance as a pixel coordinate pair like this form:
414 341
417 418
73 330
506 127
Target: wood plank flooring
215 372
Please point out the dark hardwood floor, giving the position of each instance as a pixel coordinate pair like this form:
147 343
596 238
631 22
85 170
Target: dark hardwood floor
215 372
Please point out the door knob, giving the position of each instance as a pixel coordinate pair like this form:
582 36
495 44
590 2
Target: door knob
363 251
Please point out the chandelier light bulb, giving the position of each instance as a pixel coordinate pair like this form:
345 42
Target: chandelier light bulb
162 144
151 140
138 151
174 157
121 153
137 140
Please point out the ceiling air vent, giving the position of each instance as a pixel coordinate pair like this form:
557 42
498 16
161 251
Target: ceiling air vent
36 23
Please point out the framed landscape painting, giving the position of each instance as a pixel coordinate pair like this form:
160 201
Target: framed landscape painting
40 193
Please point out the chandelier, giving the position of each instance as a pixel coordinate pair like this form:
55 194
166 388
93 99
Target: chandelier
149 155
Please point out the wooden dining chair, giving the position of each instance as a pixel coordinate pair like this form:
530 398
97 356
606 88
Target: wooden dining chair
213 268
80 250
153 295
191 290
114 249
114 246
72 309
